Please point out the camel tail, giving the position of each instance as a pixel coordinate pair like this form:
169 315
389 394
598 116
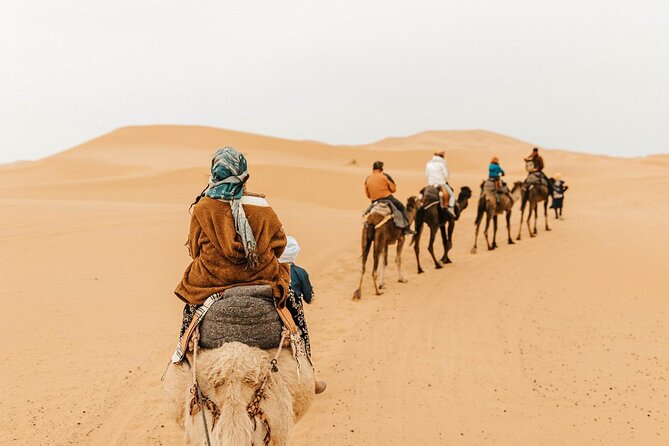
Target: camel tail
480 211
367 239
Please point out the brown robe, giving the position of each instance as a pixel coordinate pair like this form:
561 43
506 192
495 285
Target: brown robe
218 255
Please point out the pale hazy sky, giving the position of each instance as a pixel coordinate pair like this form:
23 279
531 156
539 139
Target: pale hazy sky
582 75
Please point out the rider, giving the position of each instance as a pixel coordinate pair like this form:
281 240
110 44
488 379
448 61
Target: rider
380 186
436 173
235 239
299 278
538 163
495 173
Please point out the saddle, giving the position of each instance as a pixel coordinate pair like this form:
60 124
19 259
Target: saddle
535 179
490 185
430 194
381 207
245 314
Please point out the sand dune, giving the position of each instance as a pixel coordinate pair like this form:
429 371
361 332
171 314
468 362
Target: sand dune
561 339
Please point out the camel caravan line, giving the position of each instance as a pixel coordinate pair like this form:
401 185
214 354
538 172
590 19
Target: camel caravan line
242 371
380 230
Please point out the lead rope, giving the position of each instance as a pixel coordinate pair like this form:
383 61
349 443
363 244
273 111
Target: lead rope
198 394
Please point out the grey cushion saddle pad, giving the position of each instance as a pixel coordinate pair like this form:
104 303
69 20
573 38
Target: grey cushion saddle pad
245 314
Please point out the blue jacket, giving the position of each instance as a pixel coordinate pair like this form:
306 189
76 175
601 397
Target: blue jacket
494 171
300 283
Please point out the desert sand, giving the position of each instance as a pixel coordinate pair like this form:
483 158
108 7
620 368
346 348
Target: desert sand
559 339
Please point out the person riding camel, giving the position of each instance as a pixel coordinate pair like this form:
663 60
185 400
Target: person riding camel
235 239
299 278
534 164
381 186
436 173
495 173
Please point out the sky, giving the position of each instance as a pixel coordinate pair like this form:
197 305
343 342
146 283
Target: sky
585 75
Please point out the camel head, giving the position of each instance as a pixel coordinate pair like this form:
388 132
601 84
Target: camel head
517 190
463 197
413 204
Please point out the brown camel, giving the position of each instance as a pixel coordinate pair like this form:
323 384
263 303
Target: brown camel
381 231
489 206
431 214
533 194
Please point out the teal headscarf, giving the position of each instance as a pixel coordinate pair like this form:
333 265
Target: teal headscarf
229 172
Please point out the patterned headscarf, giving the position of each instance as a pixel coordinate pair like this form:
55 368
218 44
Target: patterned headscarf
229 172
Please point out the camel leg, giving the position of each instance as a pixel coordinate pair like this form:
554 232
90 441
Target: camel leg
446 238
384 264
536 217
367 239
546 214
377 256
508 226
476 237
430 247
529 217
494 232
398 260
522 215
416 247
485 230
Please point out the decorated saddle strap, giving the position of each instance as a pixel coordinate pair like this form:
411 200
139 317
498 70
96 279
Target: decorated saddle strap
182 345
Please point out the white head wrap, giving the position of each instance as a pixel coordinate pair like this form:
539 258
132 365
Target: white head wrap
292 250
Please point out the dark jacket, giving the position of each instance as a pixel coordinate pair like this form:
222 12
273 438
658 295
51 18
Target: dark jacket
300 283
537 160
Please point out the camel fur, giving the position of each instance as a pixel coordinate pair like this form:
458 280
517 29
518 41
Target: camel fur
489 206
382 237
435 218
533 194
229 376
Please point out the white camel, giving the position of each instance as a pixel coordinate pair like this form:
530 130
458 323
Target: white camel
229 376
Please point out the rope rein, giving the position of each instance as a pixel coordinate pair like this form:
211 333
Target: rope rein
197 404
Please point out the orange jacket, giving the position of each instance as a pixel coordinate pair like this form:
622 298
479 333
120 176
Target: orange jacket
378 185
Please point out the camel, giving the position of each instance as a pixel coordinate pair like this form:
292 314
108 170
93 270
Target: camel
489 206
533 194
229 377
382 232
434 217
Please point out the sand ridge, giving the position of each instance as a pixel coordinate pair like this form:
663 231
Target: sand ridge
556 340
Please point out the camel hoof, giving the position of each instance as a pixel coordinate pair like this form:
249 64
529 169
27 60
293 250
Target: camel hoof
446 262
532 235
379 293
438 266
473 251
420 271
357 295
548 229
535 232
382 286
518 238
402 280
511 242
